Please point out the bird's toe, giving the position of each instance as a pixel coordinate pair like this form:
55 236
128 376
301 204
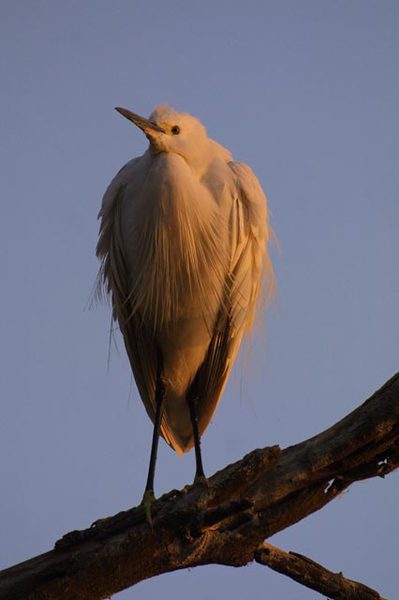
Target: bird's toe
146 503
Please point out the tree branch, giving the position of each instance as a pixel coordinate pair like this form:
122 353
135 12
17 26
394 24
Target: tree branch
223 523
312 575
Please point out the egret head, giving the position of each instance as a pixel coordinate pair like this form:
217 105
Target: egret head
170 131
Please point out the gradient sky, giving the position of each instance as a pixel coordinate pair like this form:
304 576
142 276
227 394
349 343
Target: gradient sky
305 92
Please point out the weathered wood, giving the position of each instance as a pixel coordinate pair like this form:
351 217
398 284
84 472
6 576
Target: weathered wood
222 523
313 575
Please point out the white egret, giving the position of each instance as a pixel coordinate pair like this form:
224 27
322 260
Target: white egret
183 250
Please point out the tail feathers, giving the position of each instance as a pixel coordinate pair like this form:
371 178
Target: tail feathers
176 427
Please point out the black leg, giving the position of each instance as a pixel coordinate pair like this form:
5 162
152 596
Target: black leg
192 400
148 497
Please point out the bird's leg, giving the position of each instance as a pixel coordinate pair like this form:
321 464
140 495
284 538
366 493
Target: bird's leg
149 497
192 400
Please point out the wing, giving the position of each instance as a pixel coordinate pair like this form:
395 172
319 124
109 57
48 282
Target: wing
113 278
251 273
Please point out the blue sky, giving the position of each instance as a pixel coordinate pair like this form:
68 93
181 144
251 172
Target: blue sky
307 93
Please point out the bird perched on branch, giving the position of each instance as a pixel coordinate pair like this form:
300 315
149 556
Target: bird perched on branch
183 250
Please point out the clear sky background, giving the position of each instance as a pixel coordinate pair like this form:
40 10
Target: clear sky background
307 93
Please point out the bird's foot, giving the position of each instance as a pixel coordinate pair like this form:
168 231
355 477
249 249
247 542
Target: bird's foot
146 503
200 480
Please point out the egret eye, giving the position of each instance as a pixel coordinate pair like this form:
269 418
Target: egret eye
175 130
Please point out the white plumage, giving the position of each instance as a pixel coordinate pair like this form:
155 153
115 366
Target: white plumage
183 250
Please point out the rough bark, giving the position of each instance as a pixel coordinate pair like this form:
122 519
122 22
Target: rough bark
313 575
224 522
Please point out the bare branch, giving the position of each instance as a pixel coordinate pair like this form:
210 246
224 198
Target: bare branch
313 575
223 523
